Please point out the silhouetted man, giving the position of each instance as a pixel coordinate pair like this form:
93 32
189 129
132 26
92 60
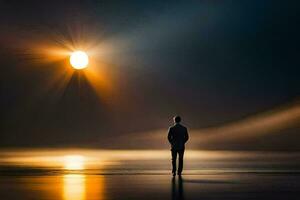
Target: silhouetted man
177 136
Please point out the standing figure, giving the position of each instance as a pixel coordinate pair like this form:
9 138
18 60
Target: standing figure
177 136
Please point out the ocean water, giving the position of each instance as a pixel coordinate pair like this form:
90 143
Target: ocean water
82 174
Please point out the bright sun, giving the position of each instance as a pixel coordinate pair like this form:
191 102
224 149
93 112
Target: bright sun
79 60
74 162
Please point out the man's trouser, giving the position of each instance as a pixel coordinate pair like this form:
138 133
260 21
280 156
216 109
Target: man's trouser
174 158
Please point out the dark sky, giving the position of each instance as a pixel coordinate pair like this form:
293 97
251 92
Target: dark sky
212 62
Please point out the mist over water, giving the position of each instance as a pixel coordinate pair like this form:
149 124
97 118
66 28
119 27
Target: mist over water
93 161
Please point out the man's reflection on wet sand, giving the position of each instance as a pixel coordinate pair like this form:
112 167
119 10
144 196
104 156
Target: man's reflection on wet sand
177 189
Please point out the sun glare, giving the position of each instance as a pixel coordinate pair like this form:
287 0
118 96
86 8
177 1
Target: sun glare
74 162
79 60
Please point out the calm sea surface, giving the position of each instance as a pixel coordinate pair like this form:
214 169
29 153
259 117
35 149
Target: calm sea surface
77 174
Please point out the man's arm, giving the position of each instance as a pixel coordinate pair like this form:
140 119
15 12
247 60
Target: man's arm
186 135
170 137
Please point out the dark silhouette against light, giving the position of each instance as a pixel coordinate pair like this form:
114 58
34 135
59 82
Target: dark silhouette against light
177 136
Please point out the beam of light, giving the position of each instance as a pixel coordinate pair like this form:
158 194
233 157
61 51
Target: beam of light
97 73
265 123
99 79
51 51
74 187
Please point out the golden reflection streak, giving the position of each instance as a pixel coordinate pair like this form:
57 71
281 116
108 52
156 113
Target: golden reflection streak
82 187
95 187
74 187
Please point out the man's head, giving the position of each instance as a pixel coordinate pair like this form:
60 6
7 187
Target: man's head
177 119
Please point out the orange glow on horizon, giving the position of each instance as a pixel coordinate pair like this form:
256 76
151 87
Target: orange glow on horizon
74 162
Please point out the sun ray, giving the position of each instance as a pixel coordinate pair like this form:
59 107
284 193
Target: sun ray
52 53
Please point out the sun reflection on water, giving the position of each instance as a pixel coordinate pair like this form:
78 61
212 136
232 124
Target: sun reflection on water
82 187
74 187
87 174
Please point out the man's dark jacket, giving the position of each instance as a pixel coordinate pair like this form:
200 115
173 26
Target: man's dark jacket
178 136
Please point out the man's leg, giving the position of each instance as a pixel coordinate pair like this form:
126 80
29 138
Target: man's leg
174 157
180 165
